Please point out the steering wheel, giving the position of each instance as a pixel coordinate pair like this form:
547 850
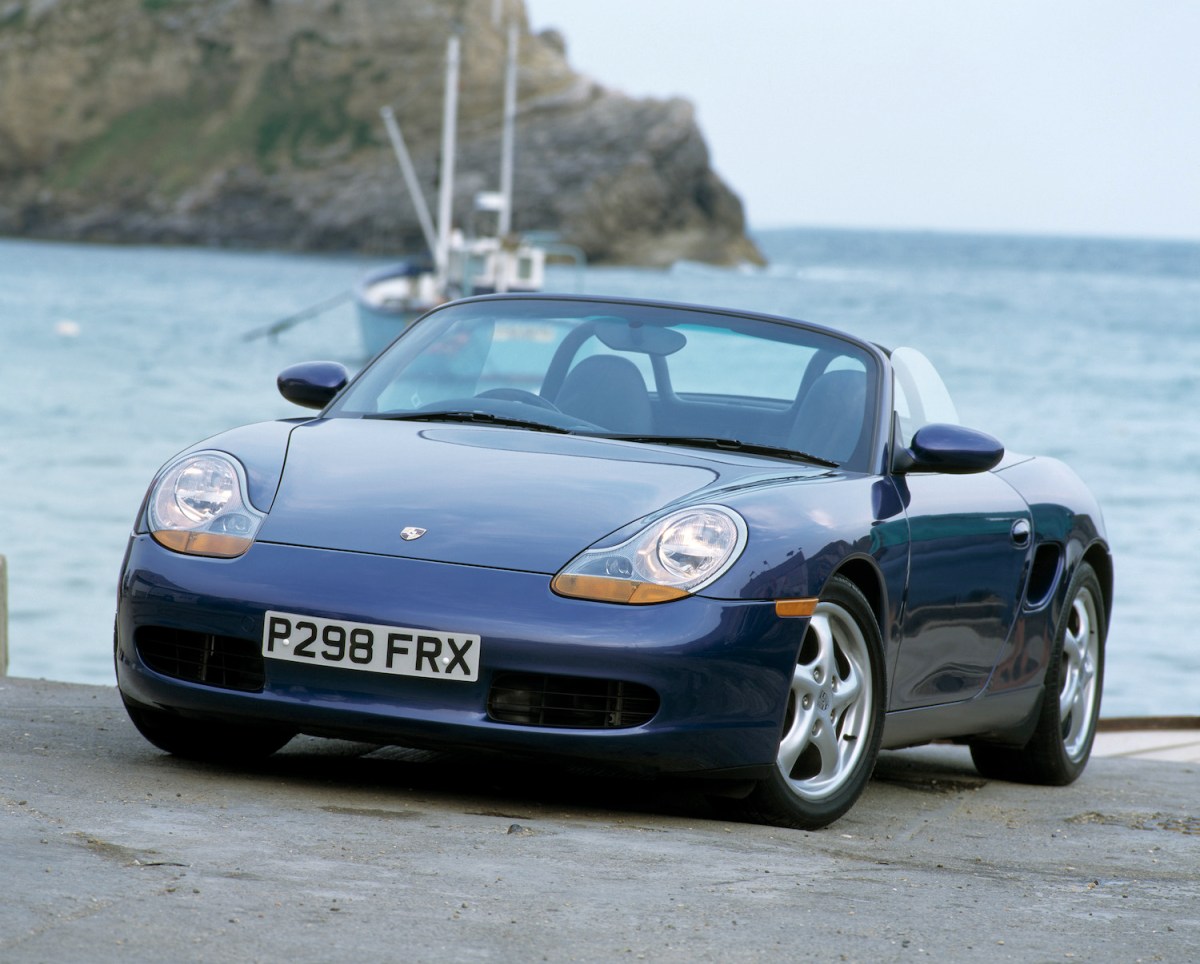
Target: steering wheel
519 395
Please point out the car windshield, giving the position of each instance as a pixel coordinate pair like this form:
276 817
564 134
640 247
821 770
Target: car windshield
655 373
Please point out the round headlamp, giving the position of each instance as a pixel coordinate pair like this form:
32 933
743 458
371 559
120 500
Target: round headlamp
198 506
673 557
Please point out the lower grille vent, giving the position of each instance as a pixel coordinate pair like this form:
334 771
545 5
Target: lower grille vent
223 661
533 699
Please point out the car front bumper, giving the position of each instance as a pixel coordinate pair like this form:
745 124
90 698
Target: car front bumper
721 669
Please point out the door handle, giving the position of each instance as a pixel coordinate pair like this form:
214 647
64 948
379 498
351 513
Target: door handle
1021 532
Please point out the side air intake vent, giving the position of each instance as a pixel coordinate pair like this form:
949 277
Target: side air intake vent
1044 575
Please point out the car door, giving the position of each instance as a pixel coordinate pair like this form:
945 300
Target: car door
968 548
969 544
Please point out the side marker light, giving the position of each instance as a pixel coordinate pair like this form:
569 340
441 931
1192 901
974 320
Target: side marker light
792 608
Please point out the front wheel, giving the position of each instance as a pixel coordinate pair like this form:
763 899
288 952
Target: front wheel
210 742
834 717
1062 742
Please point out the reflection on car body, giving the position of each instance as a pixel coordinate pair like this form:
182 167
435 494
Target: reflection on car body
664 538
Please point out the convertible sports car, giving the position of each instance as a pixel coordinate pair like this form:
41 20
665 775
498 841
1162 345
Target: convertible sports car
669 539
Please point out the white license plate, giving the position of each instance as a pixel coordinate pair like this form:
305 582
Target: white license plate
369 647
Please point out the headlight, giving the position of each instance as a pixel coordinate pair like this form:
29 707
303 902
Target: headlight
673 557
198 506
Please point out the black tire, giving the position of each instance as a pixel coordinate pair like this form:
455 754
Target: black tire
833 723
210 742
1062 741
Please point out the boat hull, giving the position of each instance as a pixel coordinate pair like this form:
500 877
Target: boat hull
390 299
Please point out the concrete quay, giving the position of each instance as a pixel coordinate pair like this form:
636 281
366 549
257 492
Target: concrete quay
333 851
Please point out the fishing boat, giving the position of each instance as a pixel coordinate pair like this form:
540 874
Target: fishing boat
391 298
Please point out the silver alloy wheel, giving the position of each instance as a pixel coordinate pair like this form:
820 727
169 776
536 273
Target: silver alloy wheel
1080 684
827 726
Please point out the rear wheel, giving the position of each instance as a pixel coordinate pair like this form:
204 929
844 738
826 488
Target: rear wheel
1062 742
834 718
208 741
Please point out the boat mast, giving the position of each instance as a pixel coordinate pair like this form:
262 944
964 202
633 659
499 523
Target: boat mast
506 147
410 178
446 188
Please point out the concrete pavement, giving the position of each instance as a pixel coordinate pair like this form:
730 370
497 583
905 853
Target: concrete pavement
1170 739
332 851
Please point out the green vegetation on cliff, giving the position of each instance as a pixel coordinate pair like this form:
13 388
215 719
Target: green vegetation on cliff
251 122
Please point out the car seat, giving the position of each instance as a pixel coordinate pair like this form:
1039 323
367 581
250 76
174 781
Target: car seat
832 415
608 391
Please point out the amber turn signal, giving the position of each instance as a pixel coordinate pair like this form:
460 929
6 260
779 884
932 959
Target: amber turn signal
202 543
603 589
785 608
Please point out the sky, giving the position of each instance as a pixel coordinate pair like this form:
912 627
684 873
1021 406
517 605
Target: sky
1075 117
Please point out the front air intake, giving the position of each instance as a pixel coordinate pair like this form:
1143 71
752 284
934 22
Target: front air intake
576 702
222 661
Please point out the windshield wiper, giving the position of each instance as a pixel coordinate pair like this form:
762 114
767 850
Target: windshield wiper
726 445
481 418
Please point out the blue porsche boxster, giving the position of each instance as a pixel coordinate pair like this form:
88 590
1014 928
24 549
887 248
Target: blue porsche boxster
663 538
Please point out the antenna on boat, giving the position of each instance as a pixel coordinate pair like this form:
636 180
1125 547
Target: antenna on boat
506 147
446 188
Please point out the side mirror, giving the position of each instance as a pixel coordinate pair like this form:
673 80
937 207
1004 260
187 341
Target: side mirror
950 450
312 384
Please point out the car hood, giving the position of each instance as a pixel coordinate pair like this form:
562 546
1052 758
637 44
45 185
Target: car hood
485 496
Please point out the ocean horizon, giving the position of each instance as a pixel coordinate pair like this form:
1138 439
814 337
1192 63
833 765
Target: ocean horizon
1083 348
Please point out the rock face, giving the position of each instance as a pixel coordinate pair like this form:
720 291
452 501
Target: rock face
256 123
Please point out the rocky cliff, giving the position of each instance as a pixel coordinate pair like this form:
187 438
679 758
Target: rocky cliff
256 123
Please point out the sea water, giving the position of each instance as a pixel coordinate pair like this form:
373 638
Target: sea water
113 359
